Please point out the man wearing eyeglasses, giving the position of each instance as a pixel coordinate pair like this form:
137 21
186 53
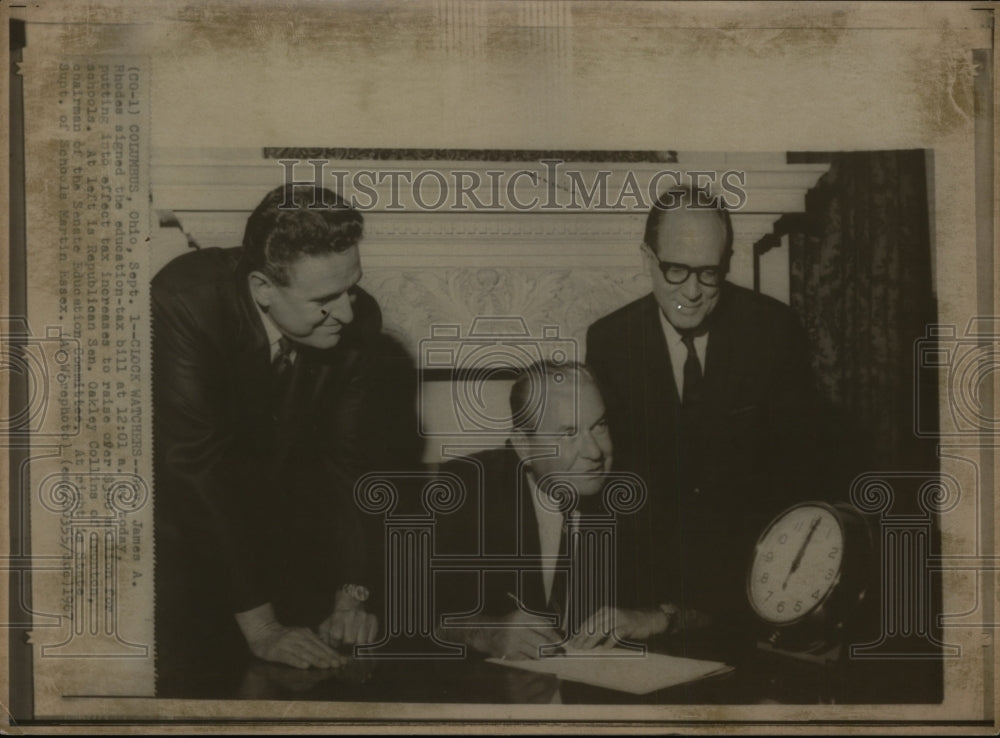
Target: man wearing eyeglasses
710 400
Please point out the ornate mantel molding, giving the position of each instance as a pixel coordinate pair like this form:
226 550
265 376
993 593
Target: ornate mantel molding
415 300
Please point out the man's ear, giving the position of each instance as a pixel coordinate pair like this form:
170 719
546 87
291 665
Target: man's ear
648 257
519 442
261 288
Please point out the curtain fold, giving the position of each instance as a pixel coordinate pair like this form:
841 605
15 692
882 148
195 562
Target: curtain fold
861 282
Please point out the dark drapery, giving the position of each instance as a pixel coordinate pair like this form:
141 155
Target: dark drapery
861 284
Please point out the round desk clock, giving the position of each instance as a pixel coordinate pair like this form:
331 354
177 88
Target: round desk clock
809 574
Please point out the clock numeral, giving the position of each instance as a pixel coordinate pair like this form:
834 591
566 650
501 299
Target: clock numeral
815 595
769 593
833 552
798 606
798 525
769 556
783 538
781 606
829 574
764 577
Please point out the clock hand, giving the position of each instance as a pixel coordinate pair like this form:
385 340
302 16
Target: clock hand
802 550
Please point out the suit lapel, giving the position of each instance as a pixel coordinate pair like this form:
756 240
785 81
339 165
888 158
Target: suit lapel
253 365
655 389
252 360
510 529
529 545
720 369
656 366
250 329
288 419
312 374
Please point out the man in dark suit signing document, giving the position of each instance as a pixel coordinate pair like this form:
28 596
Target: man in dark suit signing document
711 401
524 504
263 365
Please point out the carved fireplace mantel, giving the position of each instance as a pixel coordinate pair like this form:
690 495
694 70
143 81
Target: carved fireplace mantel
557 262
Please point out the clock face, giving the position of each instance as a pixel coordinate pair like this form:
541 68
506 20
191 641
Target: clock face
796 563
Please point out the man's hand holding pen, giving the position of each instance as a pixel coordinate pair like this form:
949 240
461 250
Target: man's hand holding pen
520 635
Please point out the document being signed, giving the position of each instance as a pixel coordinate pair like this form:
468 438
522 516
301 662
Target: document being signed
498 178
622 670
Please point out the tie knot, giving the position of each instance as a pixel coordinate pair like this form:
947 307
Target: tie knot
283 358
688 340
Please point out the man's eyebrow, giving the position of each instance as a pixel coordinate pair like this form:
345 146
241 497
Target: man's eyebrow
335 295
328 297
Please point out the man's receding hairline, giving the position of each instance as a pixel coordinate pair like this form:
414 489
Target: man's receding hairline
719 220
546 371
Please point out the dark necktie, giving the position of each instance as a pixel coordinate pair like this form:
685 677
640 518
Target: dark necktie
560 580
281 374
692 374
692 443
282 361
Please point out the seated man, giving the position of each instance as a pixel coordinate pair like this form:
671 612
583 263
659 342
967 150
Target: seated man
263 365
559 440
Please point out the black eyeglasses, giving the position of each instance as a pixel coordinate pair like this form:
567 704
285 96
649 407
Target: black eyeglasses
708 276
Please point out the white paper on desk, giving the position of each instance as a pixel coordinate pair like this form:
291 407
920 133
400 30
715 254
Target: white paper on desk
625 673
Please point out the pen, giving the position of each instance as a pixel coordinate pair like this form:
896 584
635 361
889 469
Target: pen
517 601
559 650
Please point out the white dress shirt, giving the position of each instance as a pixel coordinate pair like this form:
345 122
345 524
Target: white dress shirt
679 353
550 526
273 334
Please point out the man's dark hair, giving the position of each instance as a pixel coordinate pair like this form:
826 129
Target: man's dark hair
287 226
529 392
690 198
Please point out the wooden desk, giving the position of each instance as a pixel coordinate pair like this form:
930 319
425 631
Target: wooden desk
472 680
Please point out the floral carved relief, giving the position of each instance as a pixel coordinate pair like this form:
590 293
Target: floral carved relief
414 299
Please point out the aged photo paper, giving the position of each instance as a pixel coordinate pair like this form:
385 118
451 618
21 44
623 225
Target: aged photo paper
504 157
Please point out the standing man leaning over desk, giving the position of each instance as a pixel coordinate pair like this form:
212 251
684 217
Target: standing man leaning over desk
711 401
262 367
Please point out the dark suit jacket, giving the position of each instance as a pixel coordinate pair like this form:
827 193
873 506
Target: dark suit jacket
711 488
252 503
497 519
